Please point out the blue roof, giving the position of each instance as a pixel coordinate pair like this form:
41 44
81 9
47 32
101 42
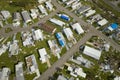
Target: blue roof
65 17
58 35
61 42
114 26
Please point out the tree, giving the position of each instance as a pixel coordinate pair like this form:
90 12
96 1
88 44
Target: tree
119 5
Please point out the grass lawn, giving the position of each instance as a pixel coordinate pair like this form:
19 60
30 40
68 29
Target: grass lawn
7 30
26 51
17 5
101 2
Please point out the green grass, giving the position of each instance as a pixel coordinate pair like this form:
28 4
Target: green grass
29 76
118 5
7 30
59 29
26 51
17 5
109 7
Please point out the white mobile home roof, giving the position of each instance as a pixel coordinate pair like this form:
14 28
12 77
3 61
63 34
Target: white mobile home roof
6 14
78 28
19 71
14 48
90 12
28 41
50 44
33 15
64 0
117 78
75 5
43 54
5 74
70 2
92 52
61 78
3 49
16 16
41 1
80 72
68 33
31 60
54 48
38 35
42 9
102 22
57 22
26 16
49 5
83 9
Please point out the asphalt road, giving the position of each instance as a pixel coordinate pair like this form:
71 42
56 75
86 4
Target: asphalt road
88 26
92 31
49 72
28 28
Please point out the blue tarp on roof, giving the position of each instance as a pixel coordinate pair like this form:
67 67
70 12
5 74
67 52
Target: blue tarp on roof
114 26
58 35
61 42
65 17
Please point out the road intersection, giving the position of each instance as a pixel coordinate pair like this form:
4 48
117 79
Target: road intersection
92 32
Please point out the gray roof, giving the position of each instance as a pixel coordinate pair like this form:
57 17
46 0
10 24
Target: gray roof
31 60
0 74
1 17
60 77
19 71
72 78
16 16
4 74
26 16
6 14
83 9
